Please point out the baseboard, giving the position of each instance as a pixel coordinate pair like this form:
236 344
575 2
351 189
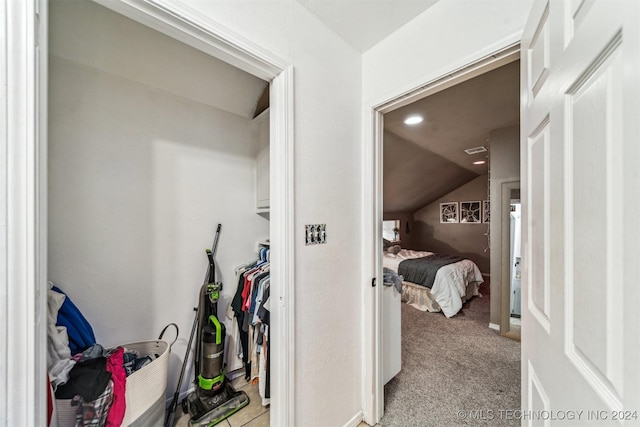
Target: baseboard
485 274
356 420
494 327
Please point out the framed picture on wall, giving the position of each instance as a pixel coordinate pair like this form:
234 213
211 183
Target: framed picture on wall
486 212
470 212
449 212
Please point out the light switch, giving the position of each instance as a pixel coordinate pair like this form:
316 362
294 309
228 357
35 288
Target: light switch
315 234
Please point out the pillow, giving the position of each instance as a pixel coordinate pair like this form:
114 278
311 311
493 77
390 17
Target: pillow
386 244
394 249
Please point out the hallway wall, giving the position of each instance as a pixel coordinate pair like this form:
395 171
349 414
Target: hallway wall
450 34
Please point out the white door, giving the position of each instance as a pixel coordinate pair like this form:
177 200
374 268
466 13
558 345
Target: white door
580 102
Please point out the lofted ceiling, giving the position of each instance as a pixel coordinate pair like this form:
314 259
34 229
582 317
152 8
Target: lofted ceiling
90 35
424 162
363 23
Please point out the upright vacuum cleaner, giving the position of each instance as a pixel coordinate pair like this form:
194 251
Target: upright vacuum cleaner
214 398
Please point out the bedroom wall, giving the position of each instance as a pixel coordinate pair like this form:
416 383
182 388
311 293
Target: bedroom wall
406 236
468 240
327 139
504 158
140 173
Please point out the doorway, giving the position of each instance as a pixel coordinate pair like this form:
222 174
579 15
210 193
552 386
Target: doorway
151 144
515 267
500 58
511 254
228 47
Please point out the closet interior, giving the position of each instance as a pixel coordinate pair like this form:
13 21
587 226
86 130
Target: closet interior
151 144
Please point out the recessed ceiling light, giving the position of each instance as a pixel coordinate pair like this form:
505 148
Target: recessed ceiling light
479 162
413 120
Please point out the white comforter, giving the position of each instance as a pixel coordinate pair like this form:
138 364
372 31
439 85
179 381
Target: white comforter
450 287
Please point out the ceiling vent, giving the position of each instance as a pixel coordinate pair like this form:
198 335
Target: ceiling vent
476 150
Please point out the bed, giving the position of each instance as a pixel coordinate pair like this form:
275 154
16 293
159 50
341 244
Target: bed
453 285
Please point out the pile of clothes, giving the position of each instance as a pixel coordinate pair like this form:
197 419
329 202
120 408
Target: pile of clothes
92 377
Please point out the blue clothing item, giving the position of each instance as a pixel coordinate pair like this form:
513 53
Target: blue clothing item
265 254
133 362
78 328
391 278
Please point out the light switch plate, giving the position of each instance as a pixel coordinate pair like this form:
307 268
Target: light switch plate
315 234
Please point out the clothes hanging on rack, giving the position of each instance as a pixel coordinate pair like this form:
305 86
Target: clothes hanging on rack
251 309
233 347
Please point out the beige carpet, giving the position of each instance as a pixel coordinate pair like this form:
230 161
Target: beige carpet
455 371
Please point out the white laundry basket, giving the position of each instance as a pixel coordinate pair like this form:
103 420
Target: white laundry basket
145 386
145 389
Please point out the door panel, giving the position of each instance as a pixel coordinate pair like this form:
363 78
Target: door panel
580 132
538 56
538 396
594 292
537 150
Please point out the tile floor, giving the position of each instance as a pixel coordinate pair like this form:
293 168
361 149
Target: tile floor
252 415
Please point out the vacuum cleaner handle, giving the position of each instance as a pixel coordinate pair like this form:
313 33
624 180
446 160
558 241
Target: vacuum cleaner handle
212 267
174 403
215 240
211 253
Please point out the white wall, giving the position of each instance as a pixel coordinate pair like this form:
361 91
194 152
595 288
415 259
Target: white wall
450 34
138 179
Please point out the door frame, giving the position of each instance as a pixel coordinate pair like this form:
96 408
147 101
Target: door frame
372 167
505 262
23 192
23 297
